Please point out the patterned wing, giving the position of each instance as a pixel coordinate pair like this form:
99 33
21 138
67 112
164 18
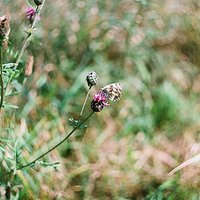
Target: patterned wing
113 91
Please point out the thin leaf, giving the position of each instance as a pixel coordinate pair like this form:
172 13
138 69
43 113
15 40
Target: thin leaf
76 122
192 160
47 164
10 106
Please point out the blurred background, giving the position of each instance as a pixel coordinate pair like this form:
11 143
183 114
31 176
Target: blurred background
126 152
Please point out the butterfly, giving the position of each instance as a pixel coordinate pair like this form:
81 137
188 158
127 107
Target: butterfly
113 91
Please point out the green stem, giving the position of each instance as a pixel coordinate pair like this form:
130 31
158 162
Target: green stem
54 147
1 76
25 42
85 101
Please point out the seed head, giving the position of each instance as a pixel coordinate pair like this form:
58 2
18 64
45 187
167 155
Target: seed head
99 101
92 79
4 27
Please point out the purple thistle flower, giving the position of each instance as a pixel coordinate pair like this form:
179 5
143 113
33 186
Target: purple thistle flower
30 13
99 101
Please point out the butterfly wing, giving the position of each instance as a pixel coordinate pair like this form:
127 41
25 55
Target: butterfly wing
113 91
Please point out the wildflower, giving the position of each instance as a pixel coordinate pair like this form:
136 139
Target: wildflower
92 79
4 27
109 92
30 14
99 101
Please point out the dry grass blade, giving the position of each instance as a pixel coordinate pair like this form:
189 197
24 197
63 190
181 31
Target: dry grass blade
29 66
192 160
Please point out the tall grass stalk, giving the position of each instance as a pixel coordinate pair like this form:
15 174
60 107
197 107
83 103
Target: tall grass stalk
85 101
1 76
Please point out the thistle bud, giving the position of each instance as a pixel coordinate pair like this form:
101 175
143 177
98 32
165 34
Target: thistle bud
38 2
4 27
92 79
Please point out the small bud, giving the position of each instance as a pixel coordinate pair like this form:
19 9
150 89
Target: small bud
92 79
4 27
29 66
38 2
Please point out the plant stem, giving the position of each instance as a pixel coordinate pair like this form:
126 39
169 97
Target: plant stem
1 75
54 147
26 40
85 101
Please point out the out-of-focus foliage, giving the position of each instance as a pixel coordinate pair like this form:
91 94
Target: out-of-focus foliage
127 150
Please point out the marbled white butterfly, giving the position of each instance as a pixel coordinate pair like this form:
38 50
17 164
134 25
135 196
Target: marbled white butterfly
113 91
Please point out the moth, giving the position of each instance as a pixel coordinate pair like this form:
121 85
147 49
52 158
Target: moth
113 91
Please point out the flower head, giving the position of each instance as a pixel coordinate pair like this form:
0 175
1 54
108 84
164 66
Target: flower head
110 92
99 101
4 27
30 14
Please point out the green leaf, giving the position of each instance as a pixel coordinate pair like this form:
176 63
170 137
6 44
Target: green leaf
76 122
47 164
10 106
8 65
2 149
